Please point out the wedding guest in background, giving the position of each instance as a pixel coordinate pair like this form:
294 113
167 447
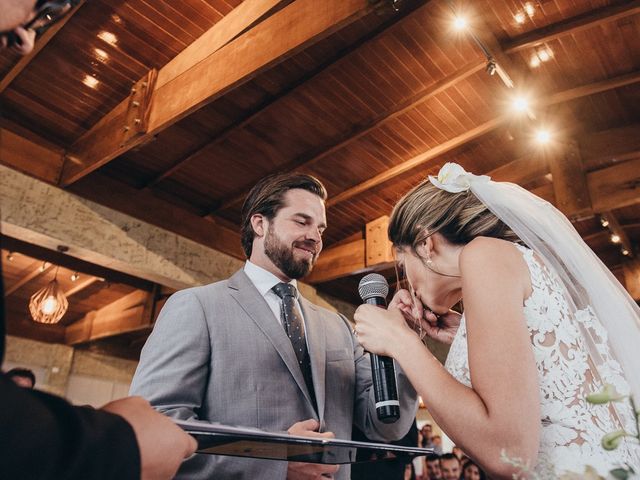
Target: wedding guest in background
450 466
433 467
426 436
471 471
23 377
436 443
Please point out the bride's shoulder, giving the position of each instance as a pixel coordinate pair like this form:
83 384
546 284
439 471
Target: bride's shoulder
486 255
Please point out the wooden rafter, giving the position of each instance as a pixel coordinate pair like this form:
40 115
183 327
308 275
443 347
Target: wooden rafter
78 287
499 52
130 313
286 32
41 42
573 25
309 158
35 273
335 62
486 127
38 159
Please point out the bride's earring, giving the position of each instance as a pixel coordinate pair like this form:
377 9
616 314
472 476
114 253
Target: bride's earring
429 261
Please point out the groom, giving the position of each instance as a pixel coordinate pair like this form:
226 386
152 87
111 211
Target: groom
251 351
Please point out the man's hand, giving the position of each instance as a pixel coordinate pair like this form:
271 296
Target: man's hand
163 445
309 471
25 43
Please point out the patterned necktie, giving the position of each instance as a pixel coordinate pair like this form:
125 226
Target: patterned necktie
294 326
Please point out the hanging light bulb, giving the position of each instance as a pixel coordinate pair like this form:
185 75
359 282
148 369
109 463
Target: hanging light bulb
615 238
10 257
49 304
75 276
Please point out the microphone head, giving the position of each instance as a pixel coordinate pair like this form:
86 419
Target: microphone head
373 285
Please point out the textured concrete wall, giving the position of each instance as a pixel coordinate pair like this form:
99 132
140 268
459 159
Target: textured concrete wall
54 359
38 213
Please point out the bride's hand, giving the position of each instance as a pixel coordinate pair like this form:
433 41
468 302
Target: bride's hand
441 327
403 301
380 331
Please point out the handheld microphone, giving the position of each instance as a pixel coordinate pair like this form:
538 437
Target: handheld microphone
373 290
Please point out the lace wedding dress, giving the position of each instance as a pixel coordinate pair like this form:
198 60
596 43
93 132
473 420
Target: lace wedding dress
572 428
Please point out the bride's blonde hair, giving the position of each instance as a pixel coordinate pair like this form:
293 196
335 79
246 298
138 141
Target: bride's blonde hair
458 217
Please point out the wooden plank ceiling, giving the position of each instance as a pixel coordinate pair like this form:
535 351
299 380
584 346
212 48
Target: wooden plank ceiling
368 96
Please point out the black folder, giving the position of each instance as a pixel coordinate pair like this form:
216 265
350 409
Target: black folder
217 439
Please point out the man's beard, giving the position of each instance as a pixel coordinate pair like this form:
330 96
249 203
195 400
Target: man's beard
283 257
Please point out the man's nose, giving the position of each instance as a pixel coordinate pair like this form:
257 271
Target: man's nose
314 234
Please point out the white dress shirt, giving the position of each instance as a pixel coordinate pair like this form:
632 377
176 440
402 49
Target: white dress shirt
264 281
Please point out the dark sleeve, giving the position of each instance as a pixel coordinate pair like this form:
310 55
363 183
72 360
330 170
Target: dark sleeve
44 437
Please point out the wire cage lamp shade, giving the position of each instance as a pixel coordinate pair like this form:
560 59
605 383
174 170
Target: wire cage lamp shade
49 304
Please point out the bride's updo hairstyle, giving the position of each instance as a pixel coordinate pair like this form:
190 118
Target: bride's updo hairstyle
458 217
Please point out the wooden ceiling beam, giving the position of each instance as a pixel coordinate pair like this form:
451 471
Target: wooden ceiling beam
309 158
480 130
37 272
82 285
573 25
130 313
615 187
40 43
632 278
569 181
267 106
38 159
610 146
500 52
205 78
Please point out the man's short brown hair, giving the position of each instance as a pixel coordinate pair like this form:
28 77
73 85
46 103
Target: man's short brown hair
266 198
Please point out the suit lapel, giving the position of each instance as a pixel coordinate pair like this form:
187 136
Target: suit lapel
316 341
250 300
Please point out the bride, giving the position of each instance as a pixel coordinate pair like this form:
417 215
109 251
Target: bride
544 325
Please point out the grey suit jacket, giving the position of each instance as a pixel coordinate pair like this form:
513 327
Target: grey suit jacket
218 354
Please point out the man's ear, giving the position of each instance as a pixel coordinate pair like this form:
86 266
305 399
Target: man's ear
259 224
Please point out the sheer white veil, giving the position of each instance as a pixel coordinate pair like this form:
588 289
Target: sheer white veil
587 281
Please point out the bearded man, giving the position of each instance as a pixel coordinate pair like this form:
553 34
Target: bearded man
251 351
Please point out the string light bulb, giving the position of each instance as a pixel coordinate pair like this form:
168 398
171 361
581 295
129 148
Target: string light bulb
615 238
460 23
543 136
520 104
10 257
604 222
75 276
624 252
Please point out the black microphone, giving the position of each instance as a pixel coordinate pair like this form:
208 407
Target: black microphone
373 290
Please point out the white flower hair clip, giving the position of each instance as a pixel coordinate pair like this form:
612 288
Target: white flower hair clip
453 178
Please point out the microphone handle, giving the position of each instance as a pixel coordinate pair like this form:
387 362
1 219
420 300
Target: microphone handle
383 373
